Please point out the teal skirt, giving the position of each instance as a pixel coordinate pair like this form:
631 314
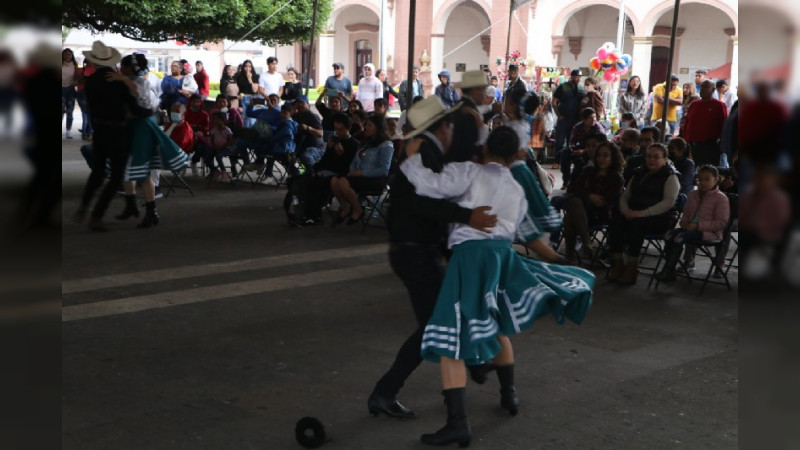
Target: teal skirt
490 290
151 148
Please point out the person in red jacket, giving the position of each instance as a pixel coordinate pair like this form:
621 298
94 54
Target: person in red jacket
179 130
704 123
201 78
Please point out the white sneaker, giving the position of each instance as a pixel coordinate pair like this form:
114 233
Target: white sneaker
194 170
270 181
69 134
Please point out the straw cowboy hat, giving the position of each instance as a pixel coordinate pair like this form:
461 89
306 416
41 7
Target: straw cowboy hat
102 55
425 113
473 78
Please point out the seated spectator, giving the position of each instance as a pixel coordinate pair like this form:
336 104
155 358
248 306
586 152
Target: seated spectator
587 126
357 120
380 106
199 121
267 118
644 208
647 137
590 198
328 112
354 105
220 142
704 218
585 157
310 145
680 156
628 142
181 133
627 121
283 145
368 171
232 116
339 153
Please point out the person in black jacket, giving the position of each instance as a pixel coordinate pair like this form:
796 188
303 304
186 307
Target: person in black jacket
110 102
418 235
469 131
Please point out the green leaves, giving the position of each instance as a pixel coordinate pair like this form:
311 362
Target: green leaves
197 21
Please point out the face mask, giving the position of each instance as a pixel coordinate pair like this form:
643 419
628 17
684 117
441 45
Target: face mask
225 110
176 116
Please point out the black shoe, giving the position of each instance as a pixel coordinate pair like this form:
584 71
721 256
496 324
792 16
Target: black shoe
131 210
666 276
480 373
151 217
392 408
351 220
449 434
510 401
457 429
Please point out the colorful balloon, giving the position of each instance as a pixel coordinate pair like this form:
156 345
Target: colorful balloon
627 59
602 53
609 46
606 64
594 63
622 72
609 76
613 56
620 64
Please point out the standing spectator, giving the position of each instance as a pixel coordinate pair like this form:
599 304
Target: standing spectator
389 94
689 96
86 128
674 100
247 80
293 88
201 78
514 83
566 102
725 94
700 76
445 91
172 87
643 209
681 159
228 86
498 93
592 98
704 123
416 88
369 88
340 83
271 82
469 131
110 102
70 76
634 101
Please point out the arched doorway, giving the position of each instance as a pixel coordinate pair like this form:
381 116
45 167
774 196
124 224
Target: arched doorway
587 29
703 41
355 28
465 21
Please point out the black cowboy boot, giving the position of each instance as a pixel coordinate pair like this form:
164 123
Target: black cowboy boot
667 273
130 208
508 393
151 217
480 373
457 428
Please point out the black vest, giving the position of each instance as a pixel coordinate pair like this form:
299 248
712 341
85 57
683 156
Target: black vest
647 188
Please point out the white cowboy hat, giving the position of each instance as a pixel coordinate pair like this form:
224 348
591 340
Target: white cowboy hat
473 78
425 113
102 55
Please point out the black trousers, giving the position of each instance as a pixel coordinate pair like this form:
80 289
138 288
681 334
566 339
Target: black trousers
110 143
623 232
706 153
421 268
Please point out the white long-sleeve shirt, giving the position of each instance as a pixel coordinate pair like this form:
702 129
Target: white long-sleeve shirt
369 88
472 185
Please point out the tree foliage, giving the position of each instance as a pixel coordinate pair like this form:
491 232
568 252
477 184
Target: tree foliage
197 21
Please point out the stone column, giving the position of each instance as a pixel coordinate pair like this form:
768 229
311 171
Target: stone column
642 54
437 52
325 59
734 81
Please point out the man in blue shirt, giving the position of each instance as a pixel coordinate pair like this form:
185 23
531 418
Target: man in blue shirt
341 83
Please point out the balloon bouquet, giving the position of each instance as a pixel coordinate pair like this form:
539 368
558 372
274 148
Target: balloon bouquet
609 63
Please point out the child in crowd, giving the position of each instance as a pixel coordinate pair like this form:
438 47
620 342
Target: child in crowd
489 292
283 144
221 145
380 106
180 132
627 121
680 156
704 217
592 98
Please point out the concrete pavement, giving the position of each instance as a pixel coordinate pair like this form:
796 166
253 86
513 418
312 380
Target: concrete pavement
222 326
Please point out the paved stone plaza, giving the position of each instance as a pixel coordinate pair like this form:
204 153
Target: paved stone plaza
222 326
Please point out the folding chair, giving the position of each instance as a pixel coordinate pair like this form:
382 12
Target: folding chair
713 249
373 202
658 240
171 183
